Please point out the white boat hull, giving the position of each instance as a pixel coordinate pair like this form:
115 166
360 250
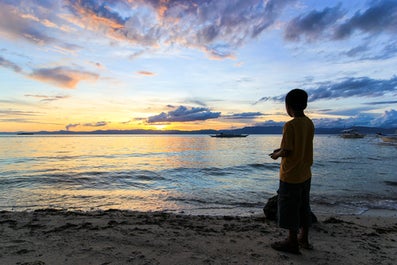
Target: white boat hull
389 139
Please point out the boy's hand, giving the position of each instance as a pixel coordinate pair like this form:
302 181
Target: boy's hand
276 154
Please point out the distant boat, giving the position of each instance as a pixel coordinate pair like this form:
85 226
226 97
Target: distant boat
388 138
228 135
351 134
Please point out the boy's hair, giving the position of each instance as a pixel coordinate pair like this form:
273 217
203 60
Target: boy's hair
297 99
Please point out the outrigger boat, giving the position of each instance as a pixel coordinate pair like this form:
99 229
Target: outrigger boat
351 134
388 138
228 135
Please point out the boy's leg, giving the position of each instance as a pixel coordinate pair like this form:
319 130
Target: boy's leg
303 239
305 216
288 217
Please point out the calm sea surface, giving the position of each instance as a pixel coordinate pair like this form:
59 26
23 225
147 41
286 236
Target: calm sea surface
192 174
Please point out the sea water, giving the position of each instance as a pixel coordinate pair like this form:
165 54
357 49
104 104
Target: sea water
191 174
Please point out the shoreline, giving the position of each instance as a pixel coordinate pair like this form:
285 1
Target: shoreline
52 236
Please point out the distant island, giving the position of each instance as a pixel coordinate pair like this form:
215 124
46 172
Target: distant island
245 130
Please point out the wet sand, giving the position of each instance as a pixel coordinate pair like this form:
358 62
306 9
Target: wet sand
124 237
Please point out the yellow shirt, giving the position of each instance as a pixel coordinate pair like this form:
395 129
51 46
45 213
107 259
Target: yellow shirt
298 135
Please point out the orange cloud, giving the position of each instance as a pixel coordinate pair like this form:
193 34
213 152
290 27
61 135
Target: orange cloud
95 16
62 76
146 73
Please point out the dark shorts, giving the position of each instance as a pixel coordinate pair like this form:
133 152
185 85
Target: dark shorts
294 205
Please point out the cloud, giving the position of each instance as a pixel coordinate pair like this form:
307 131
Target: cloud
381 102
184 114
386 52
381 17
353 87
8 64
270 123
312 25
333 23
15 25
357 50
10 112
146 73
62 76
73 125
217 27
244 115
47 98
346 111
387 120
97 124
30 20
196 101
361 119
97 13
349 87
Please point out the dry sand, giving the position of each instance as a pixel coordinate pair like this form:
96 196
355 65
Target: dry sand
123 237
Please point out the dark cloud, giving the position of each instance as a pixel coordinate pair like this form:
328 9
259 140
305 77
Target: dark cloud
8 64
388 119
331 23
184 114
381 17
312 25
265 99
353 87
349 87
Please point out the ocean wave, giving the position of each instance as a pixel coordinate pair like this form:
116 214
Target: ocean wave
362 203
390 183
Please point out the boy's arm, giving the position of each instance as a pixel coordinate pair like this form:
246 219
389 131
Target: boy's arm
279 153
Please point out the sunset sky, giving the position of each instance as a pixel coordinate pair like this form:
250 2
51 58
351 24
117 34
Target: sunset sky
195 64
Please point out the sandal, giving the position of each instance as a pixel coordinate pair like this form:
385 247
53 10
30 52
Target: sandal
285 246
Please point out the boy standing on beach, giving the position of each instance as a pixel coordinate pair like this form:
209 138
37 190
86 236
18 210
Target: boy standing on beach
296 152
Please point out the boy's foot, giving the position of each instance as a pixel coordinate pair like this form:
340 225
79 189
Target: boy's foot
305 245
286 246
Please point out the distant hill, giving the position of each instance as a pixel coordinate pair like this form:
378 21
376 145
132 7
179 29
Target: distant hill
245 130
279 130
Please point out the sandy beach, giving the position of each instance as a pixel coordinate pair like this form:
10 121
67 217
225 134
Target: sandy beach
123 237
